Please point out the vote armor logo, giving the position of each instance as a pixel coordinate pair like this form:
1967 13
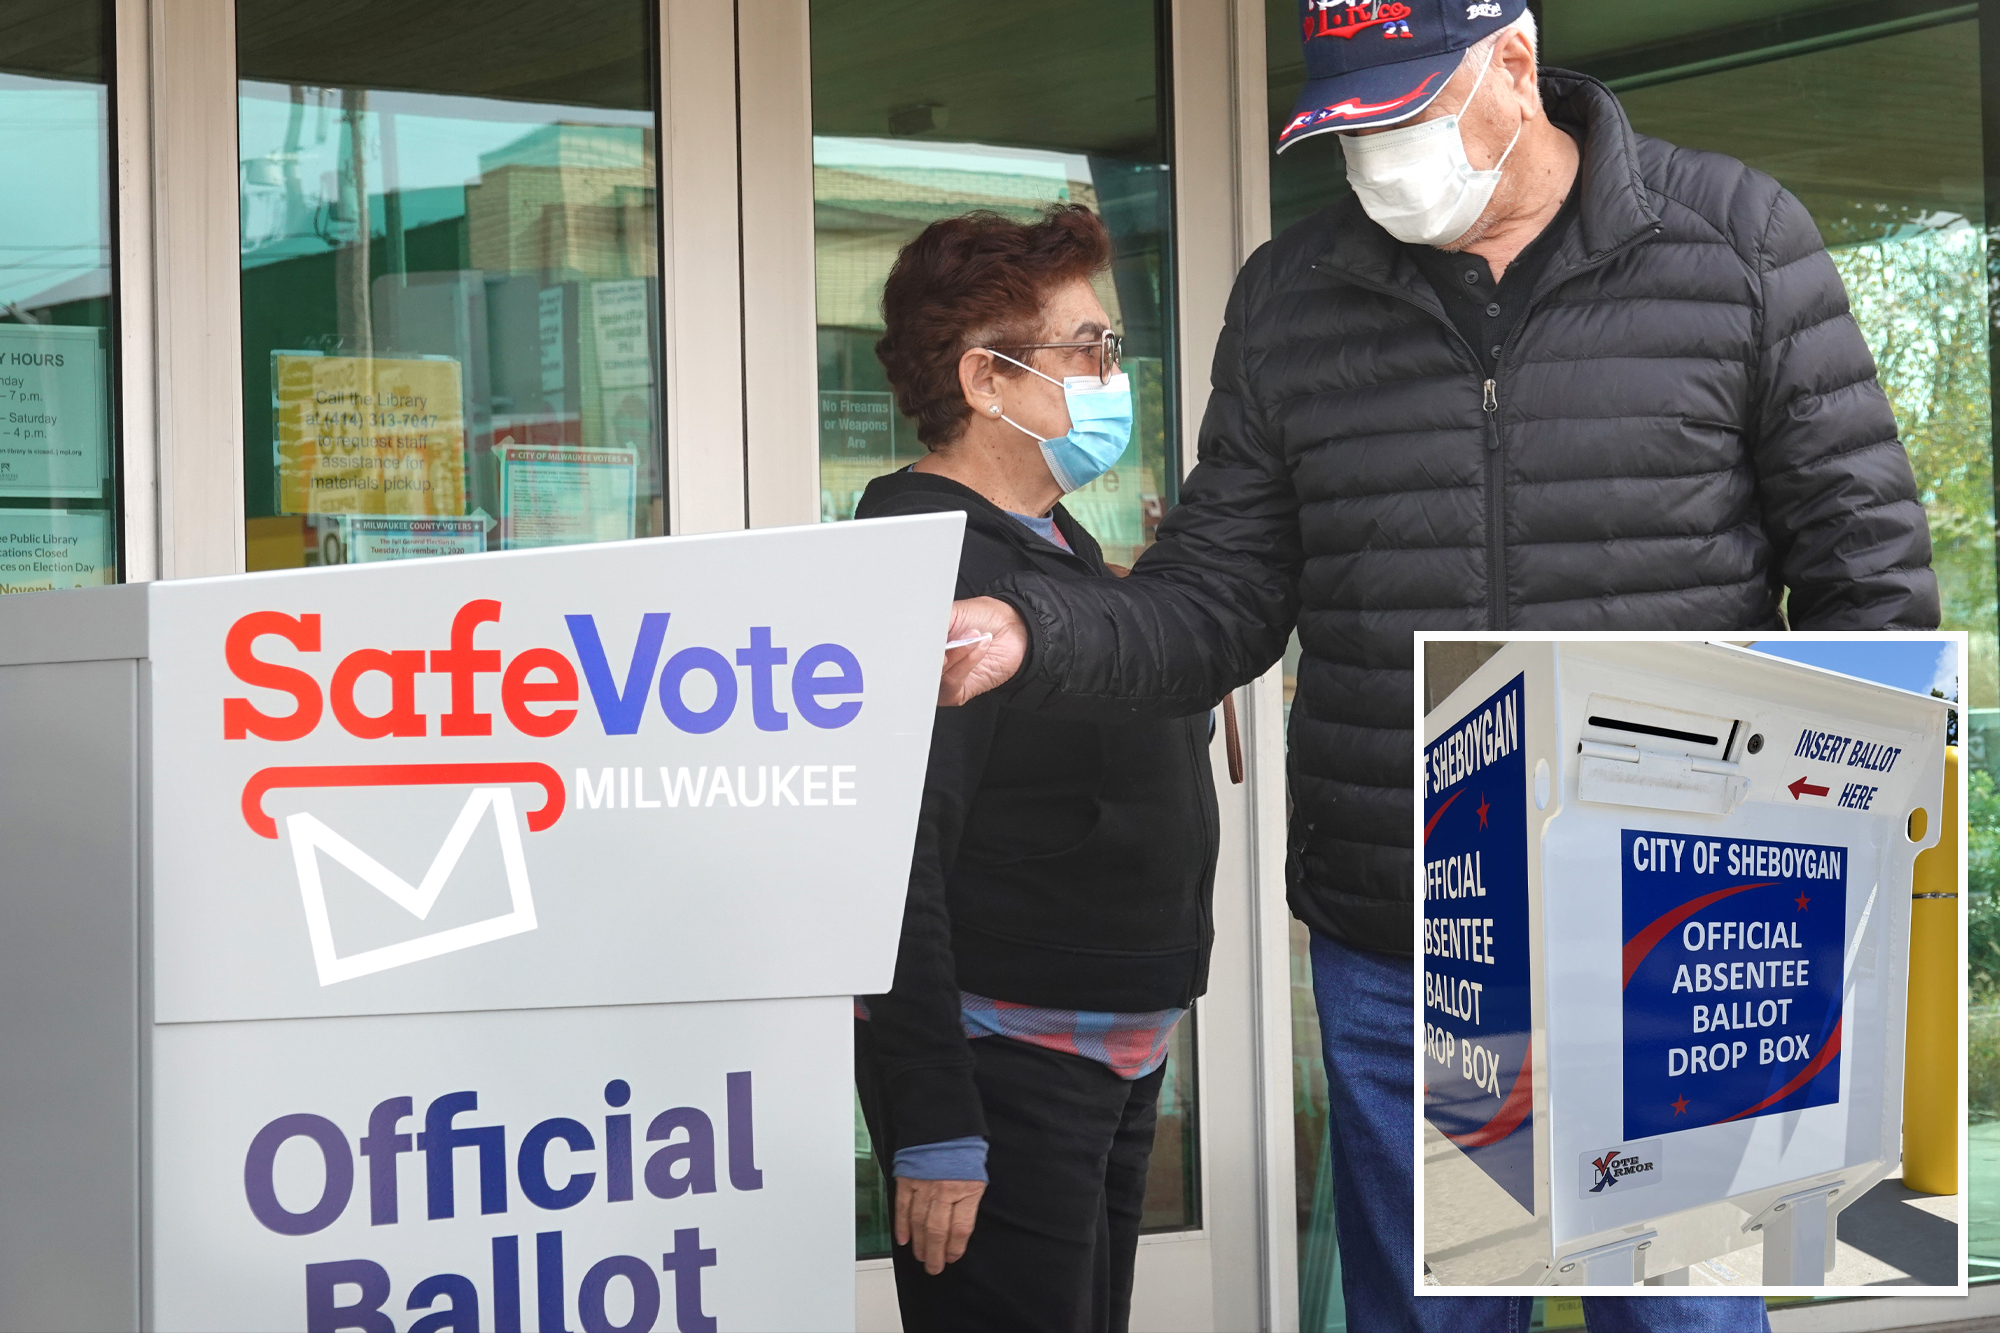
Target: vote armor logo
1621 1169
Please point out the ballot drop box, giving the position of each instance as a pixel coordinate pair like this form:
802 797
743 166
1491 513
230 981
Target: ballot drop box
456 944
1665 941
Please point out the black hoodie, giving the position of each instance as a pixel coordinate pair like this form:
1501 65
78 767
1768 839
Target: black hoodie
1058 863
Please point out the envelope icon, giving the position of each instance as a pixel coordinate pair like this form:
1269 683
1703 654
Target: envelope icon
311 836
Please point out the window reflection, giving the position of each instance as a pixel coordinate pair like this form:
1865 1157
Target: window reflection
873 196
58 501
450 287
898 145
1173 1174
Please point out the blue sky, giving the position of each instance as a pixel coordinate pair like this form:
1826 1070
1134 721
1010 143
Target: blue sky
1907 664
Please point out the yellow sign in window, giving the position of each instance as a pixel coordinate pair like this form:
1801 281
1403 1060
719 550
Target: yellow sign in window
368 435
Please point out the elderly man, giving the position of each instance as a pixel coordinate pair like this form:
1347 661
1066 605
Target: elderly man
1534 372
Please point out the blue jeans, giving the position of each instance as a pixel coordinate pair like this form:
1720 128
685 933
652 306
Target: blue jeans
1365 1023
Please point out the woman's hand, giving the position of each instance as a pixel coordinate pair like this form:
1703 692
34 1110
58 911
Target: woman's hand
936 1217
972 670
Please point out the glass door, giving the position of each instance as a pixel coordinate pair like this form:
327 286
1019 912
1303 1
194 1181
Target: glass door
449 278
920 115
58 335
1045 104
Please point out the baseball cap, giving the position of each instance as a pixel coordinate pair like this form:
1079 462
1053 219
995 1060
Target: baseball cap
1375 62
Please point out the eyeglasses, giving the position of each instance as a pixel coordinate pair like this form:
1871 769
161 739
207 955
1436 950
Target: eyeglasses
1110 348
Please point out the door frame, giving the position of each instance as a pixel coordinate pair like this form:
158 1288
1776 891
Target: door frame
1245 1038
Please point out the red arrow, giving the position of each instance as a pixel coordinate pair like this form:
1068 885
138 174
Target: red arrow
1800 787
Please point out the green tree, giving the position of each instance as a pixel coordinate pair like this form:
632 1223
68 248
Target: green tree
1983 879
1920 299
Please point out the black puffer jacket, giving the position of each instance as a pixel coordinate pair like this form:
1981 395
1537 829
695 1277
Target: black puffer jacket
1684 425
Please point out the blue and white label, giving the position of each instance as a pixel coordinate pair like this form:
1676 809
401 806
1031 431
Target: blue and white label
1478 1073
1732 966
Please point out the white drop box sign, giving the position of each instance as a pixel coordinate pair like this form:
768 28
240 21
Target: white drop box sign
460 943
1665 944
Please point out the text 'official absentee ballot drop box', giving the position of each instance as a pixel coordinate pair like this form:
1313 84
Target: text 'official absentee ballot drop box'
457 944
1665 950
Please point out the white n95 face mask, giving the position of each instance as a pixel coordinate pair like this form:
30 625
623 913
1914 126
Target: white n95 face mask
1415 180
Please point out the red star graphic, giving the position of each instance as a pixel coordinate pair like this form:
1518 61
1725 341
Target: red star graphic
1802 900
1483 808
1680 1105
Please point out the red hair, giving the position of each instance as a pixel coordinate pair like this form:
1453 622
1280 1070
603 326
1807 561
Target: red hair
977 280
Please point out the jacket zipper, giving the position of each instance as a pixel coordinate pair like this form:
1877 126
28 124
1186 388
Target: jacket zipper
1489 402
1496 462
1496 554
1496 518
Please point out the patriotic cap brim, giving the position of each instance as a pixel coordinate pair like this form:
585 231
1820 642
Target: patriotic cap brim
1364 98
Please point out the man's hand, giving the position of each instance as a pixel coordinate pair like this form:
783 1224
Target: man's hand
978 667
937 1216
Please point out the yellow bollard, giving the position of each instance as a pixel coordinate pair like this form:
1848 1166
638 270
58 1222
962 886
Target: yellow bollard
1930 1056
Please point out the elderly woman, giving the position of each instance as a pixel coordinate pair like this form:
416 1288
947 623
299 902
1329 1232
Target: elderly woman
1057 925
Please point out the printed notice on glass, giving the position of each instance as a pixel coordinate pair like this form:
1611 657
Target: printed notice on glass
624 347
368 435
549 335
370 538
45 549
858 424
560 496
53 439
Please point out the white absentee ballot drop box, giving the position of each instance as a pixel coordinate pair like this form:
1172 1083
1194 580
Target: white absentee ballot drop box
1665 951
456 944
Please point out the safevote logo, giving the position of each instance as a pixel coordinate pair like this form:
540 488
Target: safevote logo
540 690
531 679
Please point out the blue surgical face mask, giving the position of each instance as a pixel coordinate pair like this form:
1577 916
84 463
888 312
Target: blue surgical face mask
1100 426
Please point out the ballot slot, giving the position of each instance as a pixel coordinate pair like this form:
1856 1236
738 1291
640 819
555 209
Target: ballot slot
1650 755
1658 727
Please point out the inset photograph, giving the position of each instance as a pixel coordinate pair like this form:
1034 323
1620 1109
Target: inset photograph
1693 944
